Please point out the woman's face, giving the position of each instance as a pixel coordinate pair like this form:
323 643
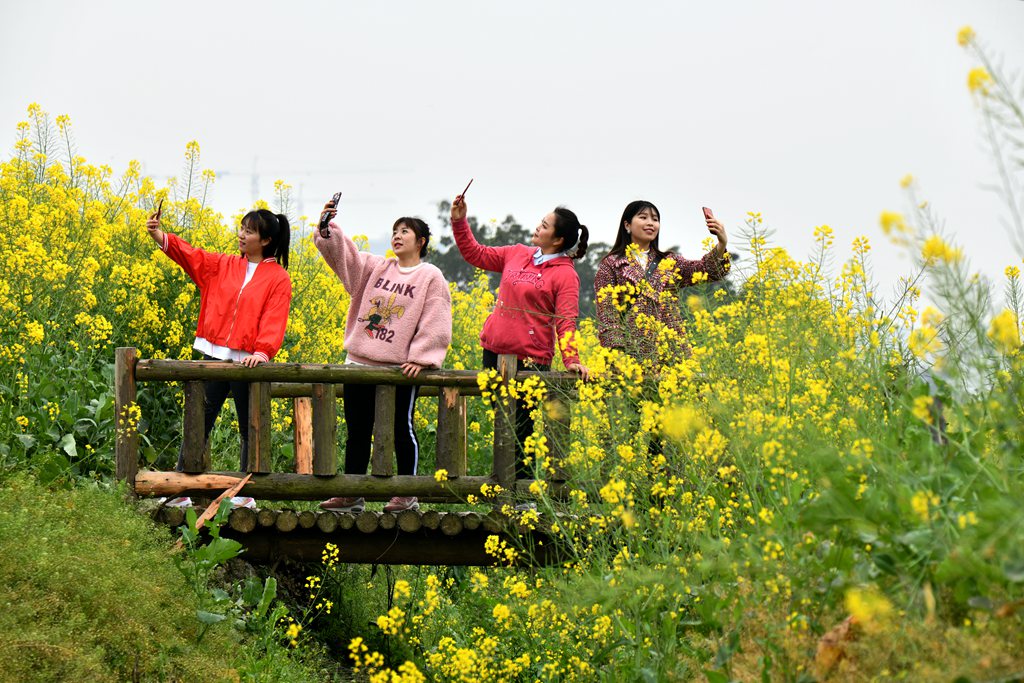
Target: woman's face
249 241
404 241
644 227
544 235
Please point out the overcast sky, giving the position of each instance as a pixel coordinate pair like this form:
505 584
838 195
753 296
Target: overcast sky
809 112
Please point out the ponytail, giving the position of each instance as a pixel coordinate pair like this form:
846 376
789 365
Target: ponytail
283 241
574 235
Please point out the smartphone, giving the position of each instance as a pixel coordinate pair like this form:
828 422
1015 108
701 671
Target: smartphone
707 213
463 195
160 208
325 218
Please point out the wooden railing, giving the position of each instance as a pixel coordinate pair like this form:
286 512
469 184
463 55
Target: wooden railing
315 390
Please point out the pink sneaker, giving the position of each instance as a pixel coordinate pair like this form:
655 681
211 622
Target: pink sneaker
341 504
399 503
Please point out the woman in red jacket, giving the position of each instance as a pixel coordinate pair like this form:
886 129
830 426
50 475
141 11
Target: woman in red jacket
244 302
538 299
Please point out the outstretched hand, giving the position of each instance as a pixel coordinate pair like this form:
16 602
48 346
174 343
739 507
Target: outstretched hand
153 226
329 212
458 209
716 228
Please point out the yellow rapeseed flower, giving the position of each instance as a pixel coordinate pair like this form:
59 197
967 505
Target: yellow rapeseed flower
979 80
965 36
936 249
1005 331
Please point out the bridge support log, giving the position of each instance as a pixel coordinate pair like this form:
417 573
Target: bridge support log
325 428
451 432
193 429
383 463
126 447
505 425
259 427
302 420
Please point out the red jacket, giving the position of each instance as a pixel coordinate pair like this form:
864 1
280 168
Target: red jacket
252 319
534 302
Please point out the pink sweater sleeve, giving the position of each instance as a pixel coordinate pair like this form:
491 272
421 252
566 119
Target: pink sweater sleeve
352 266
434 332
476 254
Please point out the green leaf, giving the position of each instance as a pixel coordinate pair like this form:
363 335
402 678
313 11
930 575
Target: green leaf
27 440
716 676
67 443
269 593
209 618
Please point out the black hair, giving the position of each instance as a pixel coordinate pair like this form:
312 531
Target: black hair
273 227
419 227
622 237
574 235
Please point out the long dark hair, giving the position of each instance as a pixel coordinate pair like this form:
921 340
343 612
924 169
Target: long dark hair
622 237
574 235
273 227
419 227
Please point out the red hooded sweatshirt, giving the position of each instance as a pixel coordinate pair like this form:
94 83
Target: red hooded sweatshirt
535 303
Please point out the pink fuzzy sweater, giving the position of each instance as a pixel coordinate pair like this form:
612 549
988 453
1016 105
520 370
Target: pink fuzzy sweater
394 317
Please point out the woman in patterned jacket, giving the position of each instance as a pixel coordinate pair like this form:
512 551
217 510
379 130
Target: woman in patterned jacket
637 277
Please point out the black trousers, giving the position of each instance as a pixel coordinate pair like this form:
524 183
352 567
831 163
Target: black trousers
524 425
216 393
360 403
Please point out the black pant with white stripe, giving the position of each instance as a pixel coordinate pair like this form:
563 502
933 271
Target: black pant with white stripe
360 402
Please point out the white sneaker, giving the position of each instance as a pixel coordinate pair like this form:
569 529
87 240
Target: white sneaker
180 502
243 502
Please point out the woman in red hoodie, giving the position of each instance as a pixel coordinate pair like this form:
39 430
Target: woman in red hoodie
538 299
244 302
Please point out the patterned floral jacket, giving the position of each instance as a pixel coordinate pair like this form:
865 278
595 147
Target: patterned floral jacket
631 290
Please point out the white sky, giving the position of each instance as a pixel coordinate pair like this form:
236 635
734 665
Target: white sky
809 112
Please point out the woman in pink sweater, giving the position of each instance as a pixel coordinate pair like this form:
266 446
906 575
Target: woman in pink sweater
538 299
401 314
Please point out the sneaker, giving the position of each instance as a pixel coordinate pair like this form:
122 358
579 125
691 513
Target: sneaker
399 504
181 502
243 502
525 507
341 504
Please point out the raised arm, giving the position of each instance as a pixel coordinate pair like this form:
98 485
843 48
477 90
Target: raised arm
352 266
714 266
476 254
197 263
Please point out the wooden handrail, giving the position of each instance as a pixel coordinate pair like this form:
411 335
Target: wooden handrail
314 390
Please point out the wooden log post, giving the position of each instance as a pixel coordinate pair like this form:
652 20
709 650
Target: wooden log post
259 427
451 432
505 425
242 520
193 437
126 447
325 426
558 419
383 464
302 421
326 522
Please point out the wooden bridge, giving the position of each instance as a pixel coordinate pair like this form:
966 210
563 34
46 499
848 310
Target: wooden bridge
426 537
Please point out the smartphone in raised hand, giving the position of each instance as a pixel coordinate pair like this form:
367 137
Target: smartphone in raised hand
707 213
325 218
462 197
